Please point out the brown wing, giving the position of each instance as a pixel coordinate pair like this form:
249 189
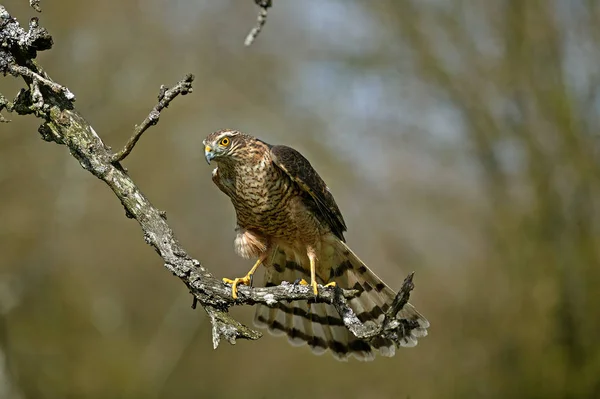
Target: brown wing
301 171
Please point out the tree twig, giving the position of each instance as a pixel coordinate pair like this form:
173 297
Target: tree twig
63 124
165 96
261 20
35 4
4 104
399 301
18 70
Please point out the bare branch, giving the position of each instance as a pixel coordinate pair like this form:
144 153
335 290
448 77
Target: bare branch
165 96
261 20
63 124
18 70
392 327
35 4
400 300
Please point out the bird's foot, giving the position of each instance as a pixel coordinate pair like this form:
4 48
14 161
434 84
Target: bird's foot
314 285
247 280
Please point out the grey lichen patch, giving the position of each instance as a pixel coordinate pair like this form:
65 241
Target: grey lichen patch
270 299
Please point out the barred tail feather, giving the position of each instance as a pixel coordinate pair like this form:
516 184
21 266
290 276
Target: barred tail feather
319 325
374 299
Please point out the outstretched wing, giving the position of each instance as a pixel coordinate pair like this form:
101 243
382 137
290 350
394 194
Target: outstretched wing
301 171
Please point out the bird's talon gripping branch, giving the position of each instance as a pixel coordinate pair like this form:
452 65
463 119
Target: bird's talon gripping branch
332 284
313 285
246 280
234 283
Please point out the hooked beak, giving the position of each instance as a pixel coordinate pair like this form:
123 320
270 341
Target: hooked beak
208 154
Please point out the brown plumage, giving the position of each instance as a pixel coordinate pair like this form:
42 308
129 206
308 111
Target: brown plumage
288 219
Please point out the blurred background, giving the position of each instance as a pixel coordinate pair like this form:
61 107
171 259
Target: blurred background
460 139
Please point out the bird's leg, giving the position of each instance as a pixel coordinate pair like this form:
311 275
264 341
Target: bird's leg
313 281
246 280
313 269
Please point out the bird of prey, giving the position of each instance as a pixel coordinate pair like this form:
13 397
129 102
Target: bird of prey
288 219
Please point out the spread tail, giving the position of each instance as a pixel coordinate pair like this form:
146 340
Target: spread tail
319 325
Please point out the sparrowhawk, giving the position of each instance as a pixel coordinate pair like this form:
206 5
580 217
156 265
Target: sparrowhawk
288 219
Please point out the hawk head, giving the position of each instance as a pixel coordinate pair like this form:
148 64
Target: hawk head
225 145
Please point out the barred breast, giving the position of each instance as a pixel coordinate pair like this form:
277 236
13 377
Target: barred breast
267 202
263 199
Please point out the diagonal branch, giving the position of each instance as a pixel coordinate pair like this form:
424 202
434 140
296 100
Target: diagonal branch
165 96
63 124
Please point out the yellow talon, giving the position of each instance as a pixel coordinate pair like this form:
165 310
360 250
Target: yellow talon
332 284
234 283
247 280
313 285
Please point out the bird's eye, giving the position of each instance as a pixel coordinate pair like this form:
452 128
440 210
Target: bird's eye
225 141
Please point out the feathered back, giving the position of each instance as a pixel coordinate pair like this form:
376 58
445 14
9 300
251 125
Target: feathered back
318 197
